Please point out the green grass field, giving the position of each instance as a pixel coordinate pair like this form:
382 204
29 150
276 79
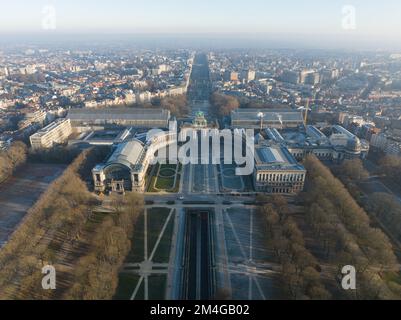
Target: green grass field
128 280
164 181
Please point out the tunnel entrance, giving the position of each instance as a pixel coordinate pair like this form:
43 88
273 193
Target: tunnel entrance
198 265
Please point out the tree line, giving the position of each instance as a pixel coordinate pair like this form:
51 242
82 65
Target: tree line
387 208
62 229
391 167
177 105
351 172
11 159
345 234
384 206
300 271
222 104
96 274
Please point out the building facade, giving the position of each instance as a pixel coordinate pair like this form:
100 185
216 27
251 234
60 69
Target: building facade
262 118
128 117
277 171
55 133
127 167
338 145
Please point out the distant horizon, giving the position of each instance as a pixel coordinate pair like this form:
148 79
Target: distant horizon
348 23
261 40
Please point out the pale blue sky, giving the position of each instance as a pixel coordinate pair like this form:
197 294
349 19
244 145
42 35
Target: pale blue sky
373 17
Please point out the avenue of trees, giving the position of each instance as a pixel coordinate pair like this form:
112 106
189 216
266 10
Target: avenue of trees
96 274
177 105
57 154
387 209
353 170
391 167
350 172
345 235
60 212
63 230
11 159
222 104
300 271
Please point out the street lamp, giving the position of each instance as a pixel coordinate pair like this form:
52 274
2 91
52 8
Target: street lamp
261 116
280 119
306 109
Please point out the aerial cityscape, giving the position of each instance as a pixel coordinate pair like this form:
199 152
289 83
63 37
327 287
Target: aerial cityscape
197 165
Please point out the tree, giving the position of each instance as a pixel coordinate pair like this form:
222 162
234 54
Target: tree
271 216
223 104
353 170
391 166
356 242
387 209
178 105
12 158
17 153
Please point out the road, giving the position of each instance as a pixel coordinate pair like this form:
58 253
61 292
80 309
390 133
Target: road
200 261
200 86
19 193
199 182
198 279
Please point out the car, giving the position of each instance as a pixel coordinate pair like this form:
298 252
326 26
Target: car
181 198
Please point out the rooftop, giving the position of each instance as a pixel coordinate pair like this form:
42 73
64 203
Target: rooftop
118 113
50 127
275 158
315 132
270 115
341 130
127 154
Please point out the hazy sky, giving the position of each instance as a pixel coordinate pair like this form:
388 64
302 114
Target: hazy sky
374 19
202 16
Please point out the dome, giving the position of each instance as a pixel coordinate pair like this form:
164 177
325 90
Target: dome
354 144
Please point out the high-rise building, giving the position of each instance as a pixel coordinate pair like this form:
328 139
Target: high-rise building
309 77
251 75
234 76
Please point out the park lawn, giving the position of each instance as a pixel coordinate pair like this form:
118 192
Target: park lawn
168 166
126 286
156 219
162 254
157 287
163 183
137 248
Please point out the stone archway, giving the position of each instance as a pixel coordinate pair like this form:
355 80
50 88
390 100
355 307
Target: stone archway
118 178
